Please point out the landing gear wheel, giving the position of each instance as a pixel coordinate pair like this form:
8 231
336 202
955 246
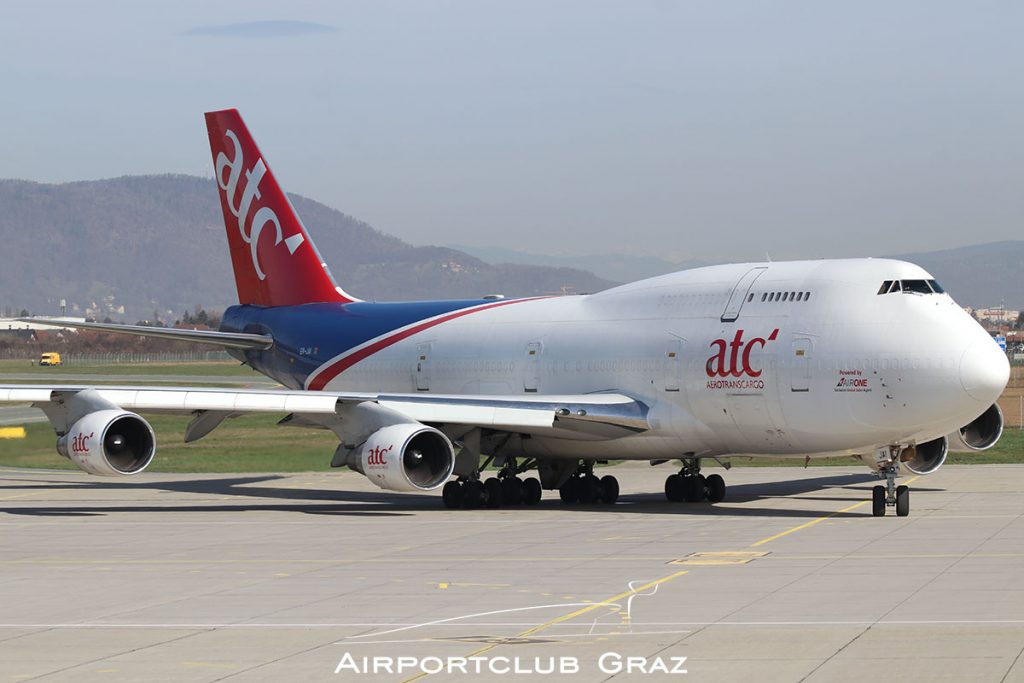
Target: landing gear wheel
695 491
451 494
590 489
609 489
715 486
531 491
878 501
675 488
511 491
492 491
472 495
569 492
902 501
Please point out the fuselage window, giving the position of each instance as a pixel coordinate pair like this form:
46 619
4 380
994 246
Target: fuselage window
764 297
807 295
884 289
792 296
799 296
785 296
750 298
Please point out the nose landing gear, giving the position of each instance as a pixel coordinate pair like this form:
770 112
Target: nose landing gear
890 495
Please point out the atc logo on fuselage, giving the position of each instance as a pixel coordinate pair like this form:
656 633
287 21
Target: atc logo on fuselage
731 365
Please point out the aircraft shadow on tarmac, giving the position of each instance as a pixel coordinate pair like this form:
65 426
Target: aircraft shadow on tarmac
387 504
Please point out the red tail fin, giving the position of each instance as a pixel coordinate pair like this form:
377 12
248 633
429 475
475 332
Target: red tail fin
275 262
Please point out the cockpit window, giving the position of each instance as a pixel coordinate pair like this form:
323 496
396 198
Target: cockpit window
917 286
911 287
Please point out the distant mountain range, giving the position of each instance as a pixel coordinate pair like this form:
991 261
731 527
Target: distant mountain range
140 244
149 243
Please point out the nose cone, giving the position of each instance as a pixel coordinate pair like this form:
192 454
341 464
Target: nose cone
984 371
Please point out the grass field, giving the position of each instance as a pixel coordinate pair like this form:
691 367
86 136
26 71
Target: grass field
244 444
256 444
219 368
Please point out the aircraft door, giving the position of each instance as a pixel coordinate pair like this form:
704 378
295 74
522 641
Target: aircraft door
740 293
673 364
423 353
531 372
800 372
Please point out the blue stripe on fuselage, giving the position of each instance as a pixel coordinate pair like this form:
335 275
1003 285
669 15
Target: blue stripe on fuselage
307 336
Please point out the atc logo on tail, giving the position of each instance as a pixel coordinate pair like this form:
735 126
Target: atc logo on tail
264 215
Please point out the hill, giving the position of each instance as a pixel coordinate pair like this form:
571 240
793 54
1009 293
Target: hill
157 243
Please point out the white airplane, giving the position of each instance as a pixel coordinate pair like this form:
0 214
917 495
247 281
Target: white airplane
867 358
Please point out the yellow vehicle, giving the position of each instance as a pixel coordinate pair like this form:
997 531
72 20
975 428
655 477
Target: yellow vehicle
50 358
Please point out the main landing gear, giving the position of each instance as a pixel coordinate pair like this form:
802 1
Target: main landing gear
890 495
507 488
583 486
691 486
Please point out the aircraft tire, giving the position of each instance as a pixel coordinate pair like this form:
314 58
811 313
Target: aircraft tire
569 491
472 495
590 489
715 486
878 501
511 491
609 489
451 494
531 491
492 491
695 490
902 501
675 488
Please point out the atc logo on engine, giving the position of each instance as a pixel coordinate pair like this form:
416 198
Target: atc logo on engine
376 456
80 444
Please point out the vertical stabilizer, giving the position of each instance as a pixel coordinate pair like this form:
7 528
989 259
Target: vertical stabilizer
275 261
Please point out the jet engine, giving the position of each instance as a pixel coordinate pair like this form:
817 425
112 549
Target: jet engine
110 443
984 431
405 457
925 458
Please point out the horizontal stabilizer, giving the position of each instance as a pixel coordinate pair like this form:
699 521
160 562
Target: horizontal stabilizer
231 340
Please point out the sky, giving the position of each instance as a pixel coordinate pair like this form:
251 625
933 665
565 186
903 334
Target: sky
717 129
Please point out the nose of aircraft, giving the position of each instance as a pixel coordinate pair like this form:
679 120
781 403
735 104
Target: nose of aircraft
984 371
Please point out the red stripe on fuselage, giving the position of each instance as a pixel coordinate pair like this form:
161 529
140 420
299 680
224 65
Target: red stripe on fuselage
342 364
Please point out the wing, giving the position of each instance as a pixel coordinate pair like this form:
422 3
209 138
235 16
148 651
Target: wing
231 340
354 415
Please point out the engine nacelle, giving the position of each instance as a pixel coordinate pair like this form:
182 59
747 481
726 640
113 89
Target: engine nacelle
925 458
110 443
405 457
983 431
